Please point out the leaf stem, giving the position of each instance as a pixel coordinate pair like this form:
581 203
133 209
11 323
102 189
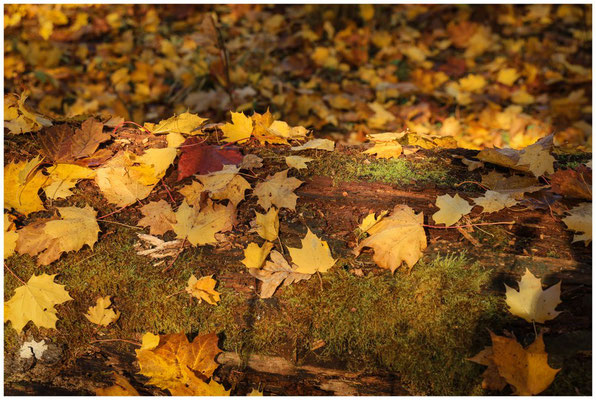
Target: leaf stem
15 275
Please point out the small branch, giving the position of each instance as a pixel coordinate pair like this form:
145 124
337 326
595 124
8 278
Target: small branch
116 340
468 236
469 225
474 182
15 275
168 190
175 294
112 213
121 224
121 124
175 258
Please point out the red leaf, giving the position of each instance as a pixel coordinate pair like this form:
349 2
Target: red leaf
200 158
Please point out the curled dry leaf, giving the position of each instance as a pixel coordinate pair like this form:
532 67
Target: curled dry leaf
396 239
275 272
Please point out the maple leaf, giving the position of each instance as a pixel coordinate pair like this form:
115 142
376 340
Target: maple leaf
35 301
159 159
267 225
186 123
531 302
313 256
173 360
538 159
239 130
203 289
18 119
100 313
507 76
62 144
225 184
494 201
255 255
492 380
370 220
22 181
451 209
76 228
10 237
514 185
321 144
64 177
198 157
385 150
278 190
34 349
381 116
197 387
297 162
158 216
527 370
573 183
200 226
121 387
274 273
396 239
192 193
580 220
251 161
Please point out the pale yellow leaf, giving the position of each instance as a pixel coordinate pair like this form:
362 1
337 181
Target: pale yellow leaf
314 256
531 302
101 314
451 209
267 225
255 255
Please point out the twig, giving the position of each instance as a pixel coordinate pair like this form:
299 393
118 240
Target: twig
175 258
168 190
113 212
320 280
121 124
534 325
116 340
15 275
120 223
469 225
281 247
175 294
474 182
468 236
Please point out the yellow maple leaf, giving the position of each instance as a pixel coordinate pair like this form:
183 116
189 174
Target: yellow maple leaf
200 226
491 379
100 313
267 225
538 159
22 181
158 216
255 255
76 228
239 130
297 162
527 370
174 360
277 190
507 76
10 236
159 159
192 193
472 83
203 289
371 220
64 177
320 144
195 386
531 302
225 184
451 209
35 302
186 123
580 220
385 150
314 255
121 387
396 239
494 201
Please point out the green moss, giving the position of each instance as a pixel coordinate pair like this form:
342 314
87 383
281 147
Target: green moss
351 167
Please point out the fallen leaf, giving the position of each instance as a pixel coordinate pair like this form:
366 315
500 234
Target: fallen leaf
451 209
381 116
199 158
185 123
396 239
514 185
121 387
277 190
33 349
175 361
267 225
225 184
494 201
158 216
197 387
192 193
50 238
239 130
255 392
538 160
385 150
580 220
297 162
159 159
22 181
255 255
64 177
527 370
62 144
531 302
492 380
35 301
314 256
251 161
371 220
200 226
507 76
573 183
274 273
101 314
203 289
10 237
321 144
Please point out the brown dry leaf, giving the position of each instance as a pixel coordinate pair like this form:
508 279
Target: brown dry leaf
396 239
274 273
531 302
121 387
251 161
158 216
203 289
573 183
267 225
314 256
451 209
50 238
255 255
63 145
101 314
199 226
527 370
174 361
492 380
580 220
278 190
